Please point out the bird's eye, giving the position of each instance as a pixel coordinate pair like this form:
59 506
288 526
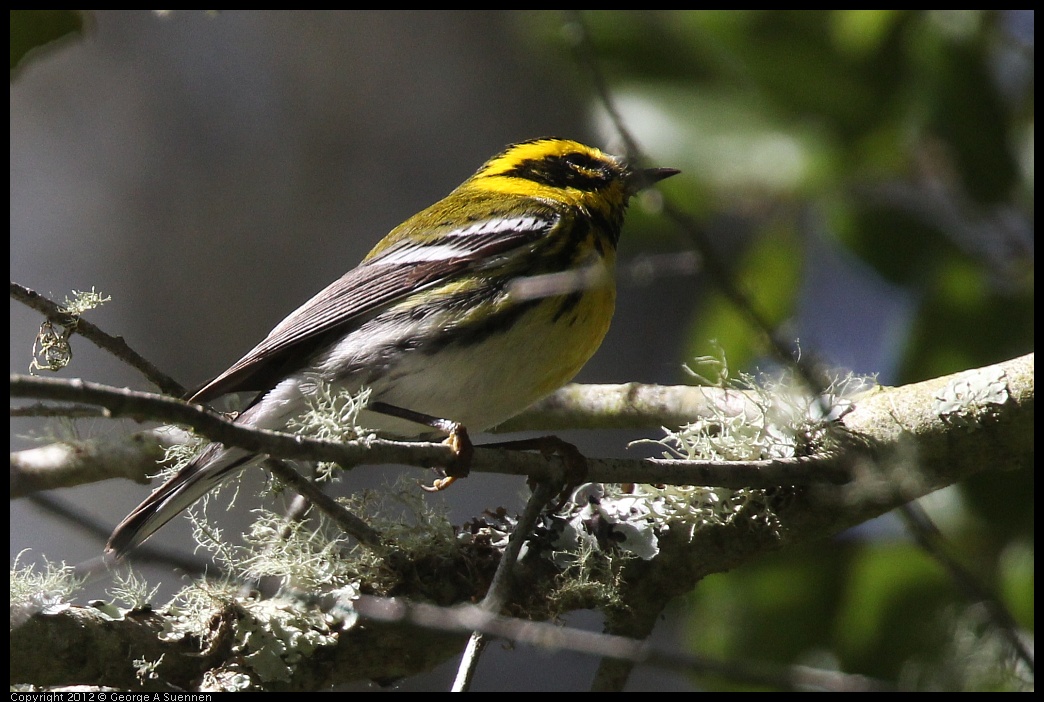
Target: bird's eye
578 162
585 166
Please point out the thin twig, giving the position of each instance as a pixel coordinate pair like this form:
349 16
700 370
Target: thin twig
499 590
69 411
932 542
146 406
143 406
464 618
113 344
815 378
351 524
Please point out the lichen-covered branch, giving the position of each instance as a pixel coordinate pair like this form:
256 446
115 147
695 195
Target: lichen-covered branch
906 442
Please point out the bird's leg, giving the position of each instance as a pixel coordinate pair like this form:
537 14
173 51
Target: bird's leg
457 439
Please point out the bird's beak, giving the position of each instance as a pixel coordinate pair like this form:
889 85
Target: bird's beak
644 178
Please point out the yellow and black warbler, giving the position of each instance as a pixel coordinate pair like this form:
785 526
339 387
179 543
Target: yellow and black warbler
441 320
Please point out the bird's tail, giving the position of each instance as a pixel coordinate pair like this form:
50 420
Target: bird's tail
214 466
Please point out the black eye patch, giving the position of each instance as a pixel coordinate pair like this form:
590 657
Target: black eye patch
573 170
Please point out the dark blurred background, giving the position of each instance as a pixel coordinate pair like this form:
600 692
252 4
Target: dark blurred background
866 176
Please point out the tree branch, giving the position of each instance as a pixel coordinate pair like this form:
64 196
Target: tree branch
916 439
733 474
881 417
69 463
107 342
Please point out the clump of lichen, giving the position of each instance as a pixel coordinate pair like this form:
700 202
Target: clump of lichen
45 589
601 526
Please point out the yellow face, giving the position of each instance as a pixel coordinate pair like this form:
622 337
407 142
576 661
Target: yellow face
556 170
542 177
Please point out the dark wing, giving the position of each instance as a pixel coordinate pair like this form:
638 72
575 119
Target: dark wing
382 279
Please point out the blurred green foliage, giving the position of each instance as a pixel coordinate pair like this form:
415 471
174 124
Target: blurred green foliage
908 135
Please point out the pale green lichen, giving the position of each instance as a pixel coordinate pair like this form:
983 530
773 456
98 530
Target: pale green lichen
131 589
317 556
790 422
51 348
268 636
146 670
225 680
332 415
191 612
968 397
84 300
272 636
46 590
179 454
315 565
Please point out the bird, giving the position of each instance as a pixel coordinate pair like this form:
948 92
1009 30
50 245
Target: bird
461 317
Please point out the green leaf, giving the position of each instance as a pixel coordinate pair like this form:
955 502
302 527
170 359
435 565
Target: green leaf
32 29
